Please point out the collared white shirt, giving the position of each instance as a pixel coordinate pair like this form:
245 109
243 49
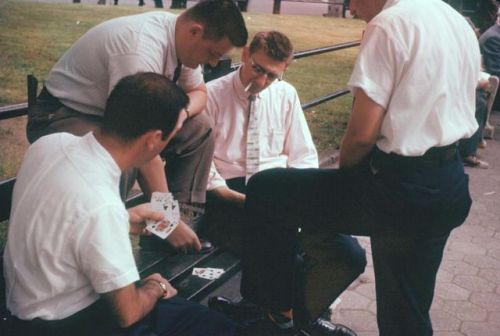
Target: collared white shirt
68 235
284 139
419 60
85 75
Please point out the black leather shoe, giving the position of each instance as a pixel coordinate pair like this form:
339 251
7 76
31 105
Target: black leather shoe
327 328
242 312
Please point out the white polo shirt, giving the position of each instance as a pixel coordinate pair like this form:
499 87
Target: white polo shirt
68 231
85 75
419 60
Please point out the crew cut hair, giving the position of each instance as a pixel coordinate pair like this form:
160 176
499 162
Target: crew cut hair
143 102
221 18
276 45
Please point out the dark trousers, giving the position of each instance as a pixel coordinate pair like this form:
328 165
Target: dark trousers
173 317
469 146
406 210
188 154
325 266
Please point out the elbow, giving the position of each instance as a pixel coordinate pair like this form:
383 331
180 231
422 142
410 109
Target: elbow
126 321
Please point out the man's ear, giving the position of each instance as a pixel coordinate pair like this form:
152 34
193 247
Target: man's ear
152 139
196 30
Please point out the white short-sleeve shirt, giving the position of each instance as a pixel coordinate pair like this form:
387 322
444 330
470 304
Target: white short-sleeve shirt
68 232
419 60
85 75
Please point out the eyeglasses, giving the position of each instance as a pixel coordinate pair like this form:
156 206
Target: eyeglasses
258 69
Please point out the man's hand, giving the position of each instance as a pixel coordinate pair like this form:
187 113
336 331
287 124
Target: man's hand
184 239
156 277
230 196
138 216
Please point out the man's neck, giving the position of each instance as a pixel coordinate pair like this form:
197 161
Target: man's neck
119 151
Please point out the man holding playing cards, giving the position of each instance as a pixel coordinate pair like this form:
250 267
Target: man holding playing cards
76 89
259 124
68 262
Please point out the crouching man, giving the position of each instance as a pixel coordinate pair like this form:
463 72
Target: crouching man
69 266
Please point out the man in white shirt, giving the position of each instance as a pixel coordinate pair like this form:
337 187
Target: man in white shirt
259 124
401 181
77 86
68 262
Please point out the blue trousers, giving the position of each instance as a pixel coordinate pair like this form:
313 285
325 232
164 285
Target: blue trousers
172 317
407 212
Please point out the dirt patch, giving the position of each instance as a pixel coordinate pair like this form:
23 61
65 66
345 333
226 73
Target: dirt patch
13 144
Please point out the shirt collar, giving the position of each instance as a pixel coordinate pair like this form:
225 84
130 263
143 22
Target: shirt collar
102 153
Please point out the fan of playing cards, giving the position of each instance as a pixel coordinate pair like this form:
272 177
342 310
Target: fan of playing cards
165 203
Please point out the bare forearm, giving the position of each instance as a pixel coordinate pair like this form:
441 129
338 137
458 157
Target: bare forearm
131 304
229 195
152 176
352 153
197 101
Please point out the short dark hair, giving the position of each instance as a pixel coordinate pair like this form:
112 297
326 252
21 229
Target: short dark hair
143 102
221 18
276 45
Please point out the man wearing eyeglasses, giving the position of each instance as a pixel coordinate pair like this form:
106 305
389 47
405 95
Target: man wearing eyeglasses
260 124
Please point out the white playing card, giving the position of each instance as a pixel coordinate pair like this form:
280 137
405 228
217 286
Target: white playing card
164 202
208 273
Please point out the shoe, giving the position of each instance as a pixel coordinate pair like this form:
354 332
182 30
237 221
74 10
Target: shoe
482 144
473 161
327 328
242 312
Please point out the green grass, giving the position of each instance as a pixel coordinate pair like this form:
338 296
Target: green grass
34 35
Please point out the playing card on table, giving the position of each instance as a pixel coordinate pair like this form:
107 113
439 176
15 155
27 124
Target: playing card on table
164 202
208 273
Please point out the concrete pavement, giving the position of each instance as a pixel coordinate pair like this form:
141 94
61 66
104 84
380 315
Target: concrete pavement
467 297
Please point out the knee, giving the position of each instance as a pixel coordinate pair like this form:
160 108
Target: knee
358 257
349 249
263 181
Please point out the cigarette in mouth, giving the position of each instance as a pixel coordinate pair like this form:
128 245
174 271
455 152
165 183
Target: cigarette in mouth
248 87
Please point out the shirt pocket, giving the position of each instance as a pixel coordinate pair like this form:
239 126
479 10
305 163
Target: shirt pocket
276 142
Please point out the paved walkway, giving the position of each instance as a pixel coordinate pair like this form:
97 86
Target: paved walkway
467 298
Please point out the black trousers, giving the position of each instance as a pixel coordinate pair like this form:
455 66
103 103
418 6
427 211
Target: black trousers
173 317
325 266
407 211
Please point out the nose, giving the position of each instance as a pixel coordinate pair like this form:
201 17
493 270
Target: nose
262 79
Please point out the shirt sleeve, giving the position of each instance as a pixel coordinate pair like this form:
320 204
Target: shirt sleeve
299 145
190 78
376 69
215 180
105 251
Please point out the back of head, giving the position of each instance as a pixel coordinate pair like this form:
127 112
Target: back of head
276 45
221 18
140 103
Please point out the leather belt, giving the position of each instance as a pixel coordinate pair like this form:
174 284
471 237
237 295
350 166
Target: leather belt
433 157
